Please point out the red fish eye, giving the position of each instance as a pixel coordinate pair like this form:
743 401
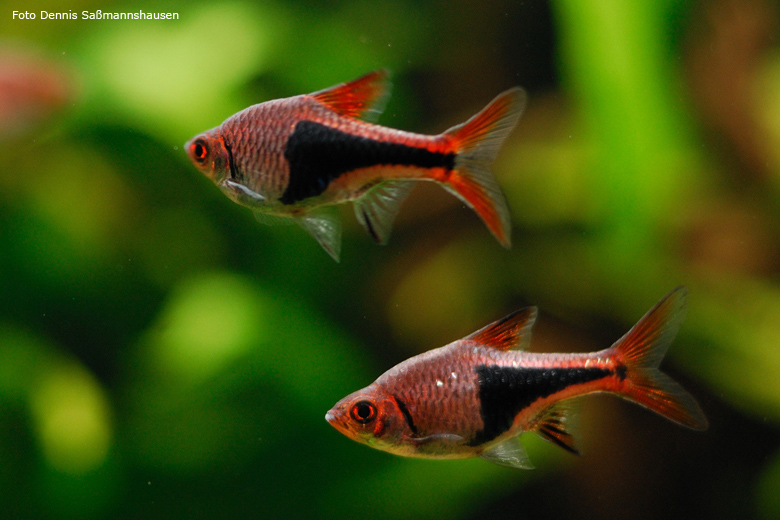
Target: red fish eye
200 151
363 412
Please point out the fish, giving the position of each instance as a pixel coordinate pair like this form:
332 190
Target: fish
32 90
295 158
476 396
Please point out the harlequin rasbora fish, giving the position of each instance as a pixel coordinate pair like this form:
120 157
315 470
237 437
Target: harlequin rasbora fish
294 157
474 397
31 90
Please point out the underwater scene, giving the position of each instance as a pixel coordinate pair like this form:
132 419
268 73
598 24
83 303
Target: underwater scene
216 308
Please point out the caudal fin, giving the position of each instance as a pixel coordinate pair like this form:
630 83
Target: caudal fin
641 350
477 142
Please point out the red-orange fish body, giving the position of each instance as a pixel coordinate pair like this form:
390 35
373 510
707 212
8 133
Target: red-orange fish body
474 397
292 157
31 90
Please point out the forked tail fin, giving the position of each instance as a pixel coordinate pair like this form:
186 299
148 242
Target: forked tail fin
641 350
477 142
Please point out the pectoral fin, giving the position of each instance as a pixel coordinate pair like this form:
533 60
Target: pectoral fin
325 228
271 220
241 194
437 443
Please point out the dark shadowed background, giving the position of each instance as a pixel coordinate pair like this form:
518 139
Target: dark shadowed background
163 355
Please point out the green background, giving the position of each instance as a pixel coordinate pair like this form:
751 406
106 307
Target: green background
163 355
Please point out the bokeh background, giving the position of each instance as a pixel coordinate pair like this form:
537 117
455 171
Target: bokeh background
163 355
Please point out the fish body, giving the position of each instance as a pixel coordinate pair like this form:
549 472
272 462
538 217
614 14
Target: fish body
31 90
475 396
293 157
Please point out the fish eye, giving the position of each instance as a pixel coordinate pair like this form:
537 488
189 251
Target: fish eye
363 412
199 150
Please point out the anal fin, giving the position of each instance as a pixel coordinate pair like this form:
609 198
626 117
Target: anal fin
377 208
509 453
325 227
554 425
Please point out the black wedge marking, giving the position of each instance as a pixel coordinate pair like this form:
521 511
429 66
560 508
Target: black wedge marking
407 415
318 154
506 391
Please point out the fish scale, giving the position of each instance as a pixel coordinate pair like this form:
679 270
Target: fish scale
501 391
297 157
434 407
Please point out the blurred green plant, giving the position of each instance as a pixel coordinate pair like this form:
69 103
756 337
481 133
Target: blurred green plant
163 356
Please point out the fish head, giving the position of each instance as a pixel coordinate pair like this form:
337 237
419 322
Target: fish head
370 416
208 153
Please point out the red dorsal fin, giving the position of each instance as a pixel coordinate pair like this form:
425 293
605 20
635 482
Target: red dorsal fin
512 332
363 98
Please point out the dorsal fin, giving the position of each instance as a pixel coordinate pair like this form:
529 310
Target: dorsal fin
512 332
362 98
554 425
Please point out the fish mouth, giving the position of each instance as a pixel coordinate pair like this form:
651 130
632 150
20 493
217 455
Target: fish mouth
335 419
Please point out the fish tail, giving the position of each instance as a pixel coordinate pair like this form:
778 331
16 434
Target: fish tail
476 143
639 353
